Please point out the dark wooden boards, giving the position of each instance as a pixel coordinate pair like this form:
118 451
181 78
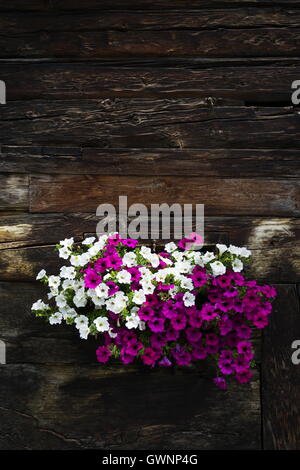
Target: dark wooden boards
76 193
160 162
140 123
264 84
159 20
183 410
266 42
27 243
280 377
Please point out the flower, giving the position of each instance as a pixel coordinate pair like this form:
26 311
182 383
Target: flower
41 274
103 354
102 324
55 318
175 307
237 265
218 268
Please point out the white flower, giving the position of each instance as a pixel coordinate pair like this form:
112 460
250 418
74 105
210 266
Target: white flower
81 321
102 290
80 260
98 246
67 242
102 324
116 303
55 318
68 313
54 281
142 325
222 248
132 321
218 268
60 300
124 277
112 334
139 297
39 305
41 274
64 252
129 259
67 272
147 287
80 299
154 260
188 299
84 331
237 265
245 253
183 267
207 257
198 259
88 241
178 255
186 283
170 247
68 284
235 250
146 252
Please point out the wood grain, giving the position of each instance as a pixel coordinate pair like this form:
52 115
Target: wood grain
266 42
183 410
140 123
84 193
261 84
280 377
160 162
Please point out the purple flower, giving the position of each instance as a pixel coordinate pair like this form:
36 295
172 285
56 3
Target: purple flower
150 356
103 354
245 348
156 324
91 279
220 382
178 322
193 335
165 362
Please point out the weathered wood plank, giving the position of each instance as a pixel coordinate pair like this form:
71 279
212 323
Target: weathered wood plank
280 377
13 192
254 232
183 409
48 5
160 162
48 21
62 81
84 193
273 240
265 42
140 123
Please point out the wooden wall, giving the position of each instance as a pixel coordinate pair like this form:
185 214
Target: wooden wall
165 101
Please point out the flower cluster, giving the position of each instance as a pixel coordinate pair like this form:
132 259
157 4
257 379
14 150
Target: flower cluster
174 307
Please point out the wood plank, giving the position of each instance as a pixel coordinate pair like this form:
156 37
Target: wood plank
13 192
271 240
254 232
160 162
48 5
280 377
62 81
125 20
265 42
84 193
184 410
152 123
